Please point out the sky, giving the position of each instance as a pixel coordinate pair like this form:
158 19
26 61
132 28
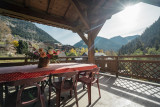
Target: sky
132 20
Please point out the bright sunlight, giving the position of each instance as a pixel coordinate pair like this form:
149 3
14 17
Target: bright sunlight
130 15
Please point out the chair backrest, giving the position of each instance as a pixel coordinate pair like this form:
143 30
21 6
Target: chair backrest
70 75
26 83
92 74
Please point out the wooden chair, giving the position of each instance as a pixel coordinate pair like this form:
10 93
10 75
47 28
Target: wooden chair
89 77
29 83
68 82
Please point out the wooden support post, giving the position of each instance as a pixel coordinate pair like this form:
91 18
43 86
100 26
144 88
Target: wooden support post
91 48
116 67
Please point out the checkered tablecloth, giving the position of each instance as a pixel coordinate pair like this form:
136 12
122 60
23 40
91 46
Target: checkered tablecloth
8 74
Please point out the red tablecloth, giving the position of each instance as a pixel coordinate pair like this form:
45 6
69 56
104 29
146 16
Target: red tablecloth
8 74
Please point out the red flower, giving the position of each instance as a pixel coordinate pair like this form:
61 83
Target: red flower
58 52
36 53
49 56
54 52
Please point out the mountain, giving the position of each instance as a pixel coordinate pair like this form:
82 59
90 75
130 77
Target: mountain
147 43
27 30
108 44
123 40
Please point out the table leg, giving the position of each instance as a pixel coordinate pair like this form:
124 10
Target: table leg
1 95
89 93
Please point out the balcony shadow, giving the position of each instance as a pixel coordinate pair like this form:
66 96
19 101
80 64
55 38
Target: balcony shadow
140 92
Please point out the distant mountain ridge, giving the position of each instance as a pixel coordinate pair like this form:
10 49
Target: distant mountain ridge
114 43
27 30
147 43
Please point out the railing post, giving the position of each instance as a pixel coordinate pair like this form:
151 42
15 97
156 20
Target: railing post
66 60
26 61
117 66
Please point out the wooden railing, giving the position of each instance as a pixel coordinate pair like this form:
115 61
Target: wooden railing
19 61
142 67
145 67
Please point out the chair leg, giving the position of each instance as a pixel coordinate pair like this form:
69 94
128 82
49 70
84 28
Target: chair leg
49 81
89 93
58 96
49 99
98 89
1 95
75 93
83 86
42 101
71 93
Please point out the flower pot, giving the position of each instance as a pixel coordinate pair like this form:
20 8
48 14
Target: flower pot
43 62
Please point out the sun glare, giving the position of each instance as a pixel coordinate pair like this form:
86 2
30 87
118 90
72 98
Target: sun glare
129 15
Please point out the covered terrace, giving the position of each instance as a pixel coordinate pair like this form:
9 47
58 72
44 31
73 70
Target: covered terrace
86 17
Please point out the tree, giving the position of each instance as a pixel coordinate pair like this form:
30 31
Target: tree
82 51
152 51
23 47
4 30
15 43
113 53
138 52
72 52
101 50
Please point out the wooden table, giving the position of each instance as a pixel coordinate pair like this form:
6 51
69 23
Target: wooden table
8 74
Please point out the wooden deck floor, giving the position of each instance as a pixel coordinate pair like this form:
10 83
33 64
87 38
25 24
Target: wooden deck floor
115 92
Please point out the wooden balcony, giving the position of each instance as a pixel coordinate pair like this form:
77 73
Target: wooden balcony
137 85
141 67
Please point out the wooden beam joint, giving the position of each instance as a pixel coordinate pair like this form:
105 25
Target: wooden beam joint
80 13
50 5
81 34
26 3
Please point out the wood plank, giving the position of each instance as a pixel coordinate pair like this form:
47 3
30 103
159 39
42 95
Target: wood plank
67 10
91 58
26 3
81 34
50 6
80 13
32 15
98 5
97 29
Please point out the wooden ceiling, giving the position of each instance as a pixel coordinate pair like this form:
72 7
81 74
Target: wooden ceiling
75 15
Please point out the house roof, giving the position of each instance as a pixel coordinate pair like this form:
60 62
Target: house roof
95 54
75 15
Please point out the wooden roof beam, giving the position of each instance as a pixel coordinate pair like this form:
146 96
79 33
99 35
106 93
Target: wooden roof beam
67 10
50 5
24 13
98 5
81 34
26 3
80 13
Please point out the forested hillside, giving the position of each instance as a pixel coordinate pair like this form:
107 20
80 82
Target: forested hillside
147 43
27 30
